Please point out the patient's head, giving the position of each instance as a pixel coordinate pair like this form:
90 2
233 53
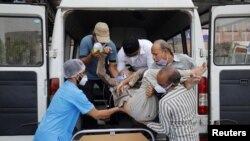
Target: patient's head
168 77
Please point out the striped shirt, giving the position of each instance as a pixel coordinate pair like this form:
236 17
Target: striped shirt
177 115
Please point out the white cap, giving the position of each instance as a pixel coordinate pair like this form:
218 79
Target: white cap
73 67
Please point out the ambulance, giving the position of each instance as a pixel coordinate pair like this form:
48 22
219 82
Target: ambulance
31 68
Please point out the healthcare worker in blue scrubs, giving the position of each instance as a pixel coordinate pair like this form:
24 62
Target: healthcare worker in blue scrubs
69 101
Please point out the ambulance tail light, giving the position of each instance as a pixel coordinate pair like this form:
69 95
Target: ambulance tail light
54 85
202 97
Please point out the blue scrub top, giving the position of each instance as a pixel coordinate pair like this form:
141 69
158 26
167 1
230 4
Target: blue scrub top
86 46
60 119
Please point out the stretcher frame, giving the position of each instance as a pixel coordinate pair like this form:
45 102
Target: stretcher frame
114 131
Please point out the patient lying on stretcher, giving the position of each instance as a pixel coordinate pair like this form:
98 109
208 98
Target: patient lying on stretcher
133 100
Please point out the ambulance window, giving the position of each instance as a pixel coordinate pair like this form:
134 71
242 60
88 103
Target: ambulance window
232 41
177 43
21 41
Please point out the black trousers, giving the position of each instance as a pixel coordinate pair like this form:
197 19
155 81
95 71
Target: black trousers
87 121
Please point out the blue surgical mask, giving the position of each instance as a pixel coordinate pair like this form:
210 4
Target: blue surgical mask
121 77
162 62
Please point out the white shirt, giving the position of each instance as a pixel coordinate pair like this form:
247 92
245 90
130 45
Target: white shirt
143 61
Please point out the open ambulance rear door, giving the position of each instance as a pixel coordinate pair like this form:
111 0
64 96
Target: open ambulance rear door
229 65
23 70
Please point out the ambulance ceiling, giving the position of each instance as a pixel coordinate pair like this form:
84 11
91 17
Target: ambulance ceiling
203 6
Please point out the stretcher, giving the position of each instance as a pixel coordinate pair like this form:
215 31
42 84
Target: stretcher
127 134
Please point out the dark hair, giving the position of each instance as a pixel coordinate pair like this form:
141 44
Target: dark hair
130 45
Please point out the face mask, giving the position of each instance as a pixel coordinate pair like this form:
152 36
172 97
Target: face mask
78 80
133 59
83 80
119 78
161 90
162 62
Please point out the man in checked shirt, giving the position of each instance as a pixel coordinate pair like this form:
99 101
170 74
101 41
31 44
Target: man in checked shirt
177 113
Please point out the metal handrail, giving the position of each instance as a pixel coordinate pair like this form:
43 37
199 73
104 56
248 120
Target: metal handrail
113 131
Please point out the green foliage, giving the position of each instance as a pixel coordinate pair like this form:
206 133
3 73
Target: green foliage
20 52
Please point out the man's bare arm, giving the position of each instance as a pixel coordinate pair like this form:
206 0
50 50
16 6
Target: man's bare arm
87 59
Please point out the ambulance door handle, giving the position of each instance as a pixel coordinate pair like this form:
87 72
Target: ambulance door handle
244 81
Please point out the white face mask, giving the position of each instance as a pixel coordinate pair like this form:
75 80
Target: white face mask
133 59
160 89
83 80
